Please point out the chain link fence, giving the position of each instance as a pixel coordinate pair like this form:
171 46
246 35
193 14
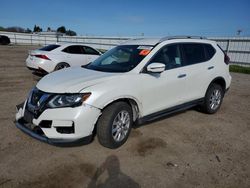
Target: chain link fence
238 48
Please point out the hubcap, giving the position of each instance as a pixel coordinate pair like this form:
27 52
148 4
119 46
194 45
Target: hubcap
120 126
215 99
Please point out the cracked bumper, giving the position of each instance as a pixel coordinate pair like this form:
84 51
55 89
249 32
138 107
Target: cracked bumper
80 119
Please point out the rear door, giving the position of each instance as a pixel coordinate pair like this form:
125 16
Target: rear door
199 67
75 55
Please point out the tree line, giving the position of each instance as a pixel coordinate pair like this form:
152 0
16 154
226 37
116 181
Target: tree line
37 29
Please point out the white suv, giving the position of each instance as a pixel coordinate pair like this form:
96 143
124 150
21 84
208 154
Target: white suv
132 83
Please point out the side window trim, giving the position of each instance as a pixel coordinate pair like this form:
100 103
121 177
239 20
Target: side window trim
182 54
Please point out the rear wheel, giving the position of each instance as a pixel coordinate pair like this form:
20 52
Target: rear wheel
61 66
213 99
114 125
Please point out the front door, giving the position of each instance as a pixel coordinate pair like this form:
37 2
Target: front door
167 89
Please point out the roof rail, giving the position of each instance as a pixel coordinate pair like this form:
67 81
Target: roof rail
181 37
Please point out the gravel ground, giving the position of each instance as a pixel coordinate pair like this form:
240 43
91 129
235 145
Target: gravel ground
190 149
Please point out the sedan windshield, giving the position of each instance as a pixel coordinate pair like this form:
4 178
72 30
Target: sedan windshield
120 59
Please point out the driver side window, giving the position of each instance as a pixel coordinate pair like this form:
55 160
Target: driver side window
169 55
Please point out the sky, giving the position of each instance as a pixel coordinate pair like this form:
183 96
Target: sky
131 17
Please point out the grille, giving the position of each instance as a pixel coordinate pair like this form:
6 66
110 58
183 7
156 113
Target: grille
36 96
37 102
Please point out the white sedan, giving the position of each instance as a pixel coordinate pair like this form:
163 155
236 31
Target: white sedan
58 56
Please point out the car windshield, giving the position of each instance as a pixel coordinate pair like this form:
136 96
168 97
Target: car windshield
120 59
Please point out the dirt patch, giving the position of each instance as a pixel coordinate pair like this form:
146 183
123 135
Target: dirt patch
135 133
147 146
245 95
87 169
69 175
4 181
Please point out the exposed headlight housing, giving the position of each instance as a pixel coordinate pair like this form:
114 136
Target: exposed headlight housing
68 100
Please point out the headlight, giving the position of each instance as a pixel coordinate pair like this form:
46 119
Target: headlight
68 100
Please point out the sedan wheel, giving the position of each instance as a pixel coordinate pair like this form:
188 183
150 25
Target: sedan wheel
60 66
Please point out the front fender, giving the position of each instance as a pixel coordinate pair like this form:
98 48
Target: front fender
126 87
101 99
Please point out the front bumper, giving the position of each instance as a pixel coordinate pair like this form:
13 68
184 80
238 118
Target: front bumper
57 142
79 120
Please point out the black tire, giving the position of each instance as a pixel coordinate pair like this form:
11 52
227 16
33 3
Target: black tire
60 66
106 124
212 103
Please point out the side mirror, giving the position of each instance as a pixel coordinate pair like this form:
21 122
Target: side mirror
156 67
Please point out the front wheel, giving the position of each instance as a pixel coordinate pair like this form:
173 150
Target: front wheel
213 99
114 125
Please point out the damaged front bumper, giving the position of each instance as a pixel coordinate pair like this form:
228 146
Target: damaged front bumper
51 134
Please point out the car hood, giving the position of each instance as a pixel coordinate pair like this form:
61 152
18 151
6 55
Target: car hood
72 80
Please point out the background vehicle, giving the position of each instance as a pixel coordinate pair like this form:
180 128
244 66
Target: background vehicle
58 56
138 81
4 40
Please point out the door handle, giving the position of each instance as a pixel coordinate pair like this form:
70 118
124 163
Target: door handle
209 68
182 75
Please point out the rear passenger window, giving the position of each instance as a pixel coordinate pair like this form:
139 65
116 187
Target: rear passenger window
193 53
210 51
169 55
74 49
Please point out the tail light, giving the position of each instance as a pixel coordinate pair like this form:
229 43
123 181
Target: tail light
42 57
226 59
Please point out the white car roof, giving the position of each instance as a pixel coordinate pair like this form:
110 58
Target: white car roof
154 41
69 44
149 41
